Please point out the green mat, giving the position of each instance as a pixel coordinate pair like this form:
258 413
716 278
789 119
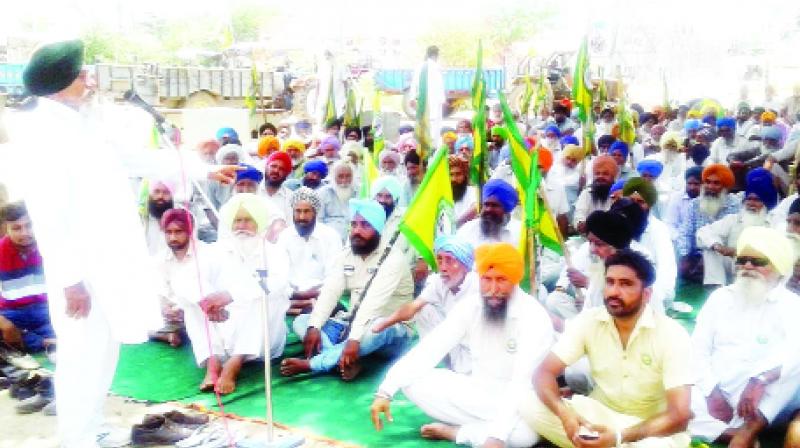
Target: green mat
323 404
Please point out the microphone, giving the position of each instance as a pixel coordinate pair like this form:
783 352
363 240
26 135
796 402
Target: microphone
132 97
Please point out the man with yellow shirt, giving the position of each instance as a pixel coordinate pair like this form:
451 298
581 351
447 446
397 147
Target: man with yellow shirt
640 363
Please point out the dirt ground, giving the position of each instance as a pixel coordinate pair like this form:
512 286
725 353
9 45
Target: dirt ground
38 430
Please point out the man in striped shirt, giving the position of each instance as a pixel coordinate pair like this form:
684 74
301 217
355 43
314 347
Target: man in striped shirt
23 299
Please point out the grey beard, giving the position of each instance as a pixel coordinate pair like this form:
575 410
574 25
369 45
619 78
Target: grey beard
491 228
753 290
343 193
750 219
710 205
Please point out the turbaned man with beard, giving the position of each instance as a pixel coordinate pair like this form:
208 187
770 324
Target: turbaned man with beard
309 249
335 197
713 203
465 199
508 333
494 224
720 237
327 340
159 200
746 345
595 197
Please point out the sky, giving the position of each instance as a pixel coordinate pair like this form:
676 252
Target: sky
686 41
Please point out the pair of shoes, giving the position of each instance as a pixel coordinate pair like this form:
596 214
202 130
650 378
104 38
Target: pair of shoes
17 358
166 429
112 437
25 388
44 396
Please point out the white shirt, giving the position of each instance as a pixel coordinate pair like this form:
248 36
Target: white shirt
738 338
281 201
658 241
504 358
471 231
467 203
156 241
584 206
781 212
556 196
436 294
720 149
309 260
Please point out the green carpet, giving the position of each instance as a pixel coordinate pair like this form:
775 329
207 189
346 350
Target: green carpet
323 405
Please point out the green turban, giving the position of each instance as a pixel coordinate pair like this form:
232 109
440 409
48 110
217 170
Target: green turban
53 67
642 186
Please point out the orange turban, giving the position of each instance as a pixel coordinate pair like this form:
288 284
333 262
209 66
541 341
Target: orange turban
545 159
501 256
295 143
769 116
574 152
449 137
725 174
267 145
605 161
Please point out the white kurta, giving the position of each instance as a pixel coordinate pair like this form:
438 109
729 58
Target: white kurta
471 231
658 242
241 333
439 301
88 230
309 260
483 403
718 269
738 338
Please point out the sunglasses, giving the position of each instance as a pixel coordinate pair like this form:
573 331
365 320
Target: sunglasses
757 262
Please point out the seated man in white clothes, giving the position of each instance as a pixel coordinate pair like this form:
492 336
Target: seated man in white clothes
308 249
465 196
494 223
607 233
159 200
721 236
334 198
508 333
595 196
222 306
746 345
640 361
443 290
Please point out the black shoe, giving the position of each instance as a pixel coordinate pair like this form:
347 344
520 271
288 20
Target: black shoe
25 388
157 430
192 421
33 404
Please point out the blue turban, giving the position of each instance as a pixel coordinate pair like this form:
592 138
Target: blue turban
503 192
710 120
695 171
727 122
227 132
388 183
456 246
692 124
760 183
249 173
316 165
652 168
619 146
570 140
370 210
465 140
771 132
617 186
554 129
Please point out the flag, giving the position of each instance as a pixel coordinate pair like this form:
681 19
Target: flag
430 213
227 37
602 90
526 97
477 166
422 131
330 105
351 118
369 174
582 83
520 158
377 125
250 100
541 92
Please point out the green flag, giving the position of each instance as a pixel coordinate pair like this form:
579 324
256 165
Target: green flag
541 92
422 130
526 97
477 166
582 83
351 118
250 100
330 105
602 90
430 213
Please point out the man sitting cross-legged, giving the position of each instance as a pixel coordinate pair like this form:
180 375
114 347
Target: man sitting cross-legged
308 250
443 290
508 333
640 362
746 345
340 340
208 286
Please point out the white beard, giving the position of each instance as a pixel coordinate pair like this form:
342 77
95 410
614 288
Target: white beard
249 248
709 205
750 219
343 193
752 290
551 144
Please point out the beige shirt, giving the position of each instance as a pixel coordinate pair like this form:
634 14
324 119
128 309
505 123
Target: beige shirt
630 380
391 288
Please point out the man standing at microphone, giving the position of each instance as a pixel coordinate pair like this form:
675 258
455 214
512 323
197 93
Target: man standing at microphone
99 280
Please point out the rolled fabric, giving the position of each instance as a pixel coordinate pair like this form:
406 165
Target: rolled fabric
772 244
759 182
503 192
652 168
282 158
545 159
723 172
642 186
619 146
371 211
456 246
267 145
501 256
255 205
316 166
574 152
180 216
294 143
249 173
609 227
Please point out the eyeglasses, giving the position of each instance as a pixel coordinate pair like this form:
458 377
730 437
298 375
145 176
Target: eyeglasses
757 262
